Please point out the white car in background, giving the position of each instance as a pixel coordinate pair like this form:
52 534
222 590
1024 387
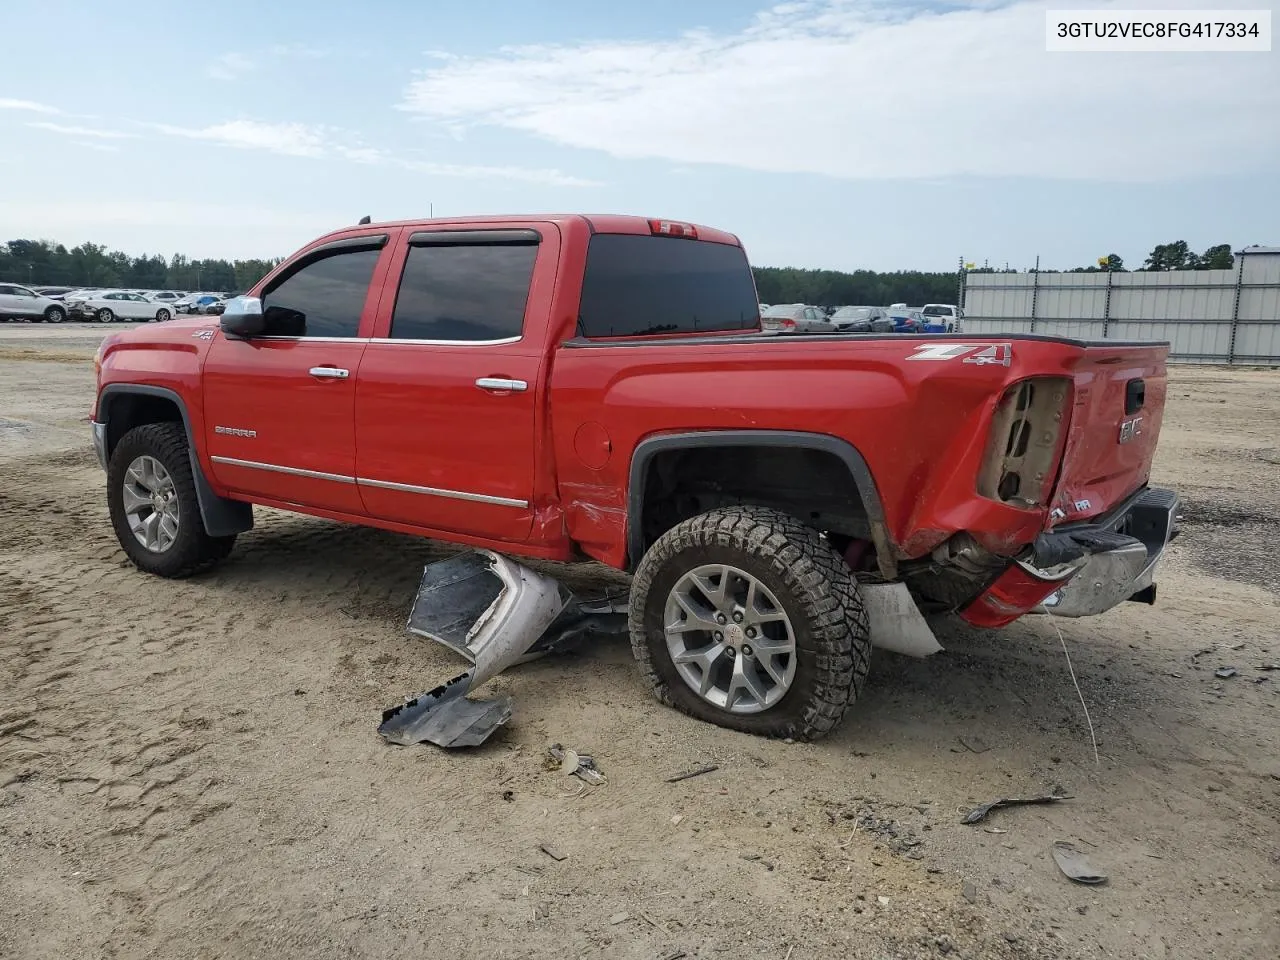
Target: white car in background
947 315
22 303
165 296
111 305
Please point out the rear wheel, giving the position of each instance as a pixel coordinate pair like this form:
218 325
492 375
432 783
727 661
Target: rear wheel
162 316
151 494
105 315
747 618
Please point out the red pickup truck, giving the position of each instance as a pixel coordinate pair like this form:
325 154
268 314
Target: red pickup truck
569 387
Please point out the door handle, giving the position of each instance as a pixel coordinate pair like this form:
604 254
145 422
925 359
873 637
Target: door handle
502 384
330 373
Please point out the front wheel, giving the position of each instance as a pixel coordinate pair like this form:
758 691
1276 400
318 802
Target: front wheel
55 315
151 495
105 315
746 618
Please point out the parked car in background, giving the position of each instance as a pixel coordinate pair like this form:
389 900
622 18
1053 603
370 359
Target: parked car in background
53 293
165 296
906 320
196 302
945 315
22 303
794 318
862 320
111 305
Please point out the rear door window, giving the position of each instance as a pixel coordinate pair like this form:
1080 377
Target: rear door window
467 290
637 285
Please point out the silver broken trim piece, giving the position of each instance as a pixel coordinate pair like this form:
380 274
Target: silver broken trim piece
525 605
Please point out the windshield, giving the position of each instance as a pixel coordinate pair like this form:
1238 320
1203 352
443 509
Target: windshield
636 285
936 310
851 313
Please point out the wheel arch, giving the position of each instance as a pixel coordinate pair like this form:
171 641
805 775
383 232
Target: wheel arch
852 462
121 407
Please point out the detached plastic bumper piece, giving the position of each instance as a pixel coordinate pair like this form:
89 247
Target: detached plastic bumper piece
495 613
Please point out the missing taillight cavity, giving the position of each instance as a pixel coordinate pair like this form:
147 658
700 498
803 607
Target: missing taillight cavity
1024 442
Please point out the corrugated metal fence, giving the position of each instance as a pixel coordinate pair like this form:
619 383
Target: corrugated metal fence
1209 316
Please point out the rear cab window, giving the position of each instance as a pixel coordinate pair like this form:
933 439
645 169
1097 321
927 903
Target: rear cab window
638 285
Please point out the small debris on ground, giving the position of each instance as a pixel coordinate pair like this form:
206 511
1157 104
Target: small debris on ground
618 918
1225 672
978 814
1075 864
576 764
675 821
553 853
969 891
709 768
975 744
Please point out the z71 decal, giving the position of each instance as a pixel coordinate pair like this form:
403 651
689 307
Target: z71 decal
976 353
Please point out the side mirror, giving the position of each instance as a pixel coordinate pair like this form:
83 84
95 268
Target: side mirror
242 317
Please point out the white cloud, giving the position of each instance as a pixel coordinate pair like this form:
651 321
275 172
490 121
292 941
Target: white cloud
73 131
290 139
230 66
303 140
8 104
547 177
867 89
95 145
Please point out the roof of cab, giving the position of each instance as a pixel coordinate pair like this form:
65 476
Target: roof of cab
596 223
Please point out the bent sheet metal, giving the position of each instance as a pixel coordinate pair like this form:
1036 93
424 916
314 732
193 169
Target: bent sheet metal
495 613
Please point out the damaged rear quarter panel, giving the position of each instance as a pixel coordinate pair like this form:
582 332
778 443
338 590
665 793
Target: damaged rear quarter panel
921 427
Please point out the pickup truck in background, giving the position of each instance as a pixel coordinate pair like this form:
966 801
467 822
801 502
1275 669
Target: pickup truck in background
570 387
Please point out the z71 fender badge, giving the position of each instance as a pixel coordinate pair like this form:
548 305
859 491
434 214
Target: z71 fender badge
203 335
976 353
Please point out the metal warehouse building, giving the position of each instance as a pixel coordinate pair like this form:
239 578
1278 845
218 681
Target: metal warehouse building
1209 316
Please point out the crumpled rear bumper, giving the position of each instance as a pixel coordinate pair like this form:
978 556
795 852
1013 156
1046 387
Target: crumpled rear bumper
1121 558
1085 569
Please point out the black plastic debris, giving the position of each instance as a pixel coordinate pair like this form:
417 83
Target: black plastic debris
978 814
1075 865
446 717
495 613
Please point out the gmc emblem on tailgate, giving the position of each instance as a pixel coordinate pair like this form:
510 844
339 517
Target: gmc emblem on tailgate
1130 429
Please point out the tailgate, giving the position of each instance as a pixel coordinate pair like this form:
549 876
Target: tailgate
1115 423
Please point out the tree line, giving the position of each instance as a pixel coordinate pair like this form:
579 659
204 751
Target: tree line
41 262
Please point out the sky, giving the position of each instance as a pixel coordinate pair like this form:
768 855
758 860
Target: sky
840 134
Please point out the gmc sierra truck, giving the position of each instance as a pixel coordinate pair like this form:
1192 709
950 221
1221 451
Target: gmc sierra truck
570 387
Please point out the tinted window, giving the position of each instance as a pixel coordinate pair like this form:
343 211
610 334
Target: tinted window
936 311
640 285
323 299
467 292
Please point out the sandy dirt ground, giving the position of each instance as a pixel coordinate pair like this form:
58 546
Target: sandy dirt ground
191 769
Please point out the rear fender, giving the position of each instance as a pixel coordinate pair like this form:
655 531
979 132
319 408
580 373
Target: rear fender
859 472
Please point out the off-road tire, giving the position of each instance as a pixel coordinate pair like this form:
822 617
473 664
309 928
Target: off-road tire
816 589
194 550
